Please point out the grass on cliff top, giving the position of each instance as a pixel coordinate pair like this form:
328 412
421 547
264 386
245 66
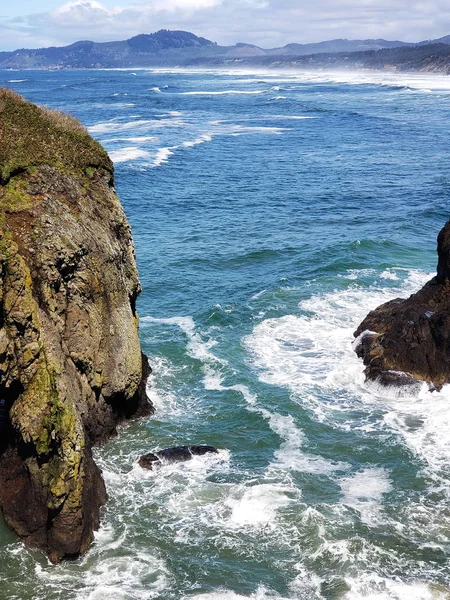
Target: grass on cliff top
32 136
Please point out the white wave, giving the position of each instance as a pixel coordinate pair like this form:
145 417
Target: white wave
194 471
143 139
197 348
162 156
104 574
311 354
128 154
424 423
234 129
420 82
292 117
258 294
122 104
223 92
258 504
171 113
374 587
364 491
200 140
159 389
113 127
214 381
157 90
389 274
290 456
139 124
16 80
261 593
315 347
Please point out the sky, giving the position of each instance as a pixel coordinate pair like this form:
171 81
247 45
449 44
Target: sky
266 23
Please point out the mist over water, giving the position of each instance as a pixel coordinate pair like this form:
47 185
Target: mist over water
270 212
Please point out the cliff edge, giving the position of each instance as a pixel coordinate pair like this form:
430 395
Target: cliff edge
70 361
407 341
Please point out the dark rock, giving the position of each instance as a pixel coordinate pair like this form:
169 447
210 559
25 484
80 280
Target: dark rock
176 454
71 366
407 341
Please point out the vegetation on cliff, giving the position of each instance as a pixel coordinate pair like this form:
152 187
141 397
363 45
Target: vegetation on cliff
33 136
70 360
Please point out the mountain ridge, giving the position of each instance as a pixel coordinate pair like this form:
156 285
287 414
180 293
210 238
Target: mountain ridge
183 48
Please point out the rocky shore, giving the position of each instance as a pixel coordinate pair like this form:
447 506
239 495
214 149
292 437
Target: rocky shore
70 361
407 341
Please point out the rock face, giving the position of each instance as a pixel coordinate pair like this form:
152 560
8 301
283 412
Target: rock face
408 341
70 360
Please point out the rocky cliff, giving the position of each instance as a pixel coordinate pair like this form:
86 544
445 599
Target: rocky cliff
70 360
407 341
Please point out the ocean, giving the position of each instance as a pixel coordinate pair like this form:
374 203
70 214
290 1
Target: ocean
270 212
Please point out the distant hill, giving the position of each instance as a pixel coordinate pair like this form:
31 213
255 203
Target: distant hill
338 45
162 47
182 48
425 58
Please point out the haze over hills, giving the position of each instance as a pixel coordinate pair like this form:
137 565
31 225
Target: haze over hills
182 48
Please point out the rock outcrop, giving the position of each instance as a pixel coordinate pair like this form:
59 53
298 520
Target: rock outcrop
407 341
175 454
70 361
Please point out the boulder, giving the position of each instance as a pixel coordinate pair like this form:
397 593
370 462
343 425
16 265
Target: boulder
175 454
407 341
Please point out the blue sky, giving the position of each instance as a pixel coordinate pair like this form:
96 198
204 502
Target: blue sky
267 23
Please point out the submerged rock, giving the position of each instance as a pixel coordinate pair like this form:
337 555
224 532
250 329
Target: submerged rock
70 361
175 454
407 341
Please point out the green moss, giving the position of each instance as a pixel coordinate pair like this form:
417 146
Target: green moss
14 196
32 136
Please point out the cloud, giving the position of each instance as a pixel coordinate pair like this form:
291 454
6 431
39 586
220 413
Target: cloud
268 23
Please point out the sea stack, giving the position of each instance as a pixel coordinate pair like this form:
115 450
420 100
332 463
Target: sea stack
407 341
71 367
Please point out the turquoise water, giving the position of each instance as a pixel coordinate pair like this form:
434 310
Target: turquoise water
270 213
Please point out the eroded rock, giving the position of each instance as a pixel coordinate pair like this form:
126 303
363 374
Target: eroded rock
70 361
407 341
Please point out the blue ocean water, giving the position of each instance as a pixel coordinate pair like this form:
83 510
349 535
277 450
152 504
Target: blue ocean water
270 211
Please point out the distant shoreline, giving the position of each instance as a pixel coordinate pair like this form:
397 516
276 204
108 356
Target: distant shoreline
182 49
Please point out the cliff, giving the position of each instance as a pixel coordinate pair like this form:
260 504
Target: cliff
70 360
407 341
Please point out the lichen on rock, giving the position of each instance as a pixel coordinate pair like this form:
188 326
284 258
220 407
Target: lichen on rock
70 361
407 341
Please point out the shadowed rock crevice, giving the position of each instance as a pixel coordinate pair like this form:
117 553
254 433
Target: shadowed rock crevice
407 341
71 367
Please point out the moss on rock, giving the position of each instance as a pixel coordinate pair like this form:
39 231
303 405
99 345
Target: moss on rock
32 135
70 360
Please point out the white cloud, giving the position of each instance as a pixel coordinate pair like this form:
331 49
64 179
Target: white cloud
186 5
267 23
80 7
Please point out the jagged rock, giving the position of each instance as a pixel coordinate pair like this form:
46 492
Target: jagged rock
407 341
70 361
